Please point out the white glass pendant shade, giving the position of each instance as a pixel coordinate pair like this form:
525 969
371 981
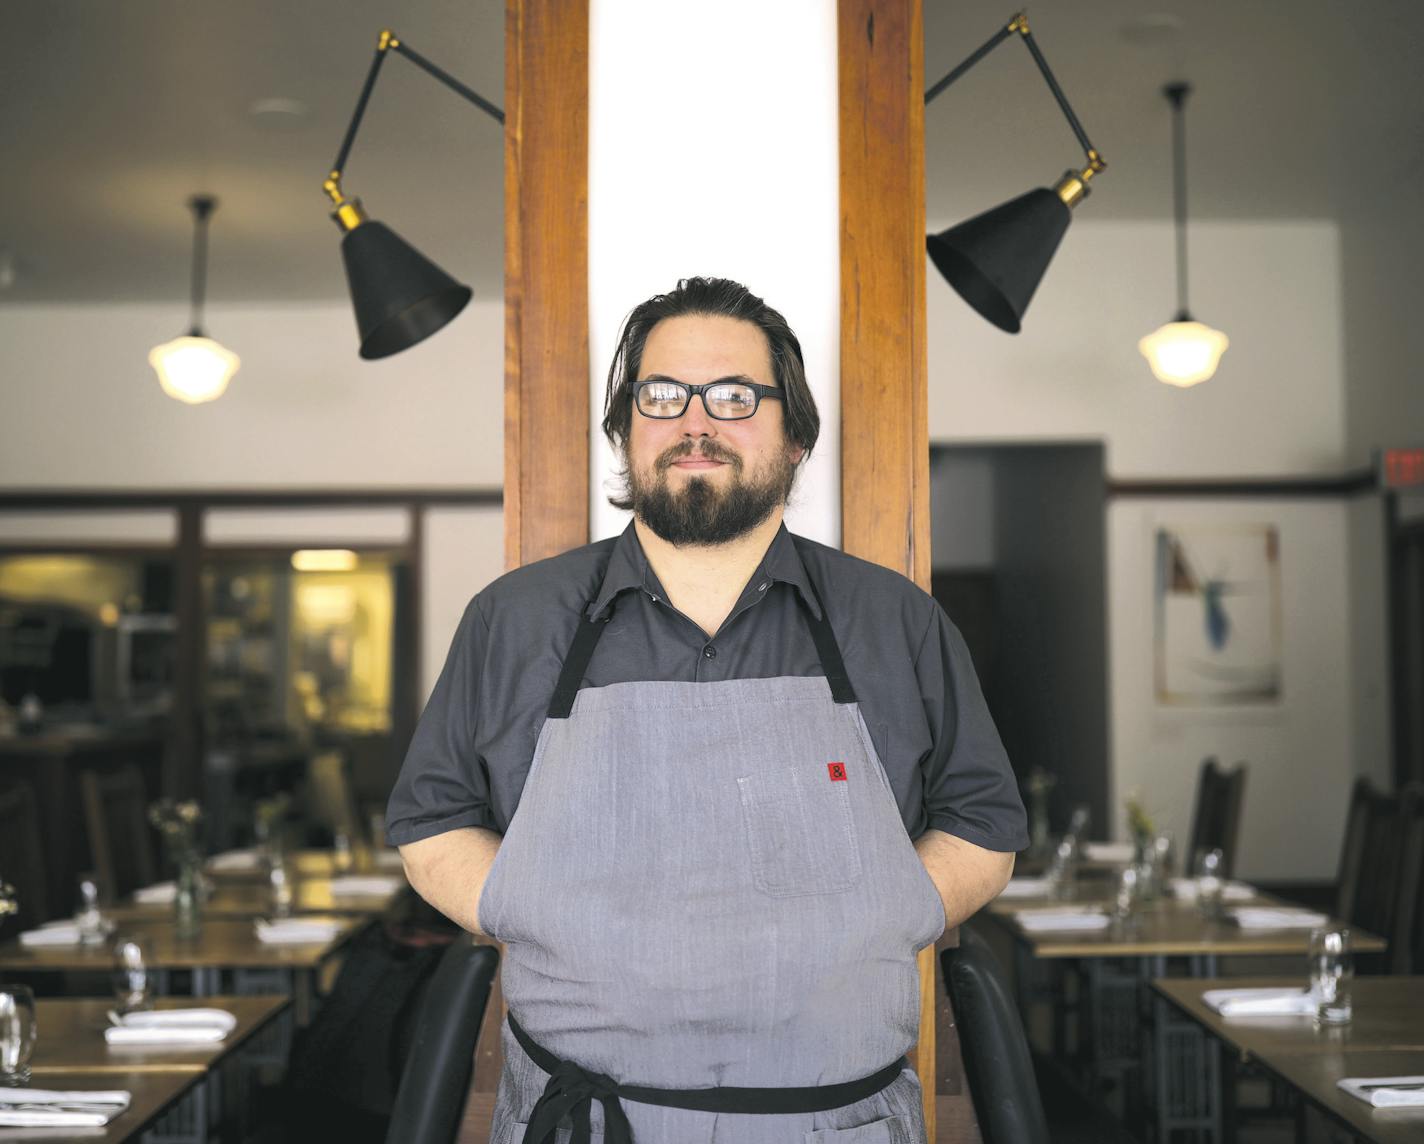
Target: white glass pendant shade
1183 353
193 369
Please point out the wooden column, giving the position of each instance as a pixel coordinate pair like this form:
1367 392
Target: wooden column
884 387
546 380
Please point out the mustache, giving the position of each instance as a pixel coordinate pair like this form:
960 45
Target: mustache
709 450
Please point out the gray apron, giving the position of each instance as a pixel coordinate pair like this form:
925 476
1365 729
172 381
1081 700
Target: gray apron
709 885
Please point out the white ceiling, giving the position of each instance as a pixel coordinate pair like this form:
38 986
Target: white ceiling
112 112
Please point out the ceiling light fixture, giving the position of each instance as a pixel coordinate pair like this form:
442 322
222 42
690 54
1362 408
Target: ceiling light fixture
399 295
1184 351
996 260
194 368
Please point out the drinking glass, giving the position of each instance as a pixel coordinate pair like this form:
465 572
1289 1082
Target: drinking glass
1209 884
1332 974
132 979
17 1034
1062 868
279 881
89 918
1129 892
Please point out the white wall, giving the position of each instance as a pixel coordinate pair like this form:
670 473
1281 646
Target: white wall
80 406
1299 750
1275 407
464 551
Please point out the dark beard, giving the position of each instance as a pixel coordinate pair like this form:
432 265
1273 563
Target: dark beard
700 514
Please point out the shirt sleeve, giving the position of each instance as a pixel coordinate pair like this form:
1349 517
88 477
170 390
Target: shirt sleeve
443 784
970 789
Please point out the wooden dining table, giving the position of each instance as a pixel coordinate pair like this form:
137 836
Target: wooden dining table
1385 1037
151 1096
71 1036
1098 978
70 1044
250 866
252 899
223 946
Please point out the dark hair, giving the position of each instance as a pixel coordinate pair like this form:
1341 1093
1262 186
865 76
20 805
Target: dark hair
719 297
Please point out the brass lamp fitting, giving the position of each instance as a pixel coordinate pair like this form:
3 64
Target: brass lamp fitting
1073 187
348 214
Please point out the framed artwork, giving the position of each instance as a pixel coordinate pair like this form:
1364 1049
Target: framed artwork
1218 615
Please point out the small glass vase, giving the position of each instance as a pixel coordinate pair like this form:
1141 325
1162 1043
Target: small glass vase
188 901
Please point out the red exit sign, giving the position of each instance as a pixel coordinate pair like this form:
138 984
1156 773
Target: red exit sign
1402 468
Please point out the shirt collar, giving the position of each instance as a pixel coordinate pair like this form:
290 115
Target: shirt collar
628 567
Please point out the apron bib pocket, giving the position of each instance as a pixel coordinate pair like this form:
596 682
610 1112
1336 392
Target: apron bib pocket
892 1130
801 836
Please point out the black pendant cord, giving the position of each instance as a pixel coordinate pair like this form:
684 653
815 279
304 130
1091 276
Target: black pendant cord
203 207
1177 94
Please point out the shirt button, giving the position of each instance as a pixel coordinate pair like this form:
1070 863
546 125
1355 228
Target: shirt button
710 651
764 587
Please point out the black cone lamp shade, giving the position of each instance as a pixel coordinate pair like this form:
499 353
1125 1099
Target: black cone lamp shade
996 260
399 295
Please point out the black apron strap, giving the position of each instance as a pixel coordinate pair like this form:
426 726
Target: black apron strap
575 666
825 639
586 640
571 1091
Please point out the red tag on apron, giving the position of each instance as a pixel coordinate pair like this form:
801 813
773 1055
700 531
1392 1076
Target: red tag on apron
837 770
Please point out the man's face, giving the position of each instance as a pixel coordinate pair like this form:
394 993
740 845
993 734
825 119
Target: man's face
694 479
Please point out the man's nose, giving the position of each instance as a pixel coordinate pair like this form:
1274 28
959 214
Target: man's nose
695 420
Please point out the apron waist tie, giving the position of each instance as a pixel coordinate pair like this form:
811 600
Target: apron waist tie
572 1090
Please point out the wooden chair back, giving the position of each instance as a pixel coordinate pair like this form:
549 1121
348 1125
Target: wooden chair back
1216 818
22 859
331 802
120 837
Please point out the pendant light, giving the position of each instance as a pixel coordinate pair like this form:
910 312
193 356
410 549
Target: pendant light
194 368
1184 351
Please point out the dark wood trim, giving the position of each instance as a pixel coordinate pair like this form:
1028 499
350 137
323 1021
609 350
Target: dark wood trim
884 388
883 351
546 361
25 500
1349 484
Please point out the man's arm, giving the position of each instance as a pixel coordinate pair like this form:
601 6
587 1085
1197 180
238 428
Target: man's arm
966 876
449 871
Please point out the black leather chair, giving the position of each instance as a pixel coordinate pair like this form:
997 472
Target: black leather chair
436 1078
1216 819
997 1062
120 838
1406 942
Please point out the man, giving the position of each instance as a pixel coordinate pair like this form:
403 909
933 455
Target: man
678 774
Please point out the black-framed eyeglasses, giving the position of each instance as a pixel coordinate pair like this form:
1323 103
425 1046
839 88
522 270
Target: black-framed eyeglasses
662 398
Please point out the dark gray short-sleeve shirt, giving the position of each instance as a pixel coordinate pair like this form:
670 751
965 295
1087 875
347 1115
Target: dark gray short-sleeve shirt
908 664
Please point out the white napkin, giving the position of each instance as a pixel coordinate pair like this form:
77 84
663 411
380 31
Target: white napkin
52 934
180 1018
1062 920
1026 888
49 1108
178 1035
368 884
1260 1002
1276 918
297 931
159 894
1386 1091
1108 851
1185 890
235 860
